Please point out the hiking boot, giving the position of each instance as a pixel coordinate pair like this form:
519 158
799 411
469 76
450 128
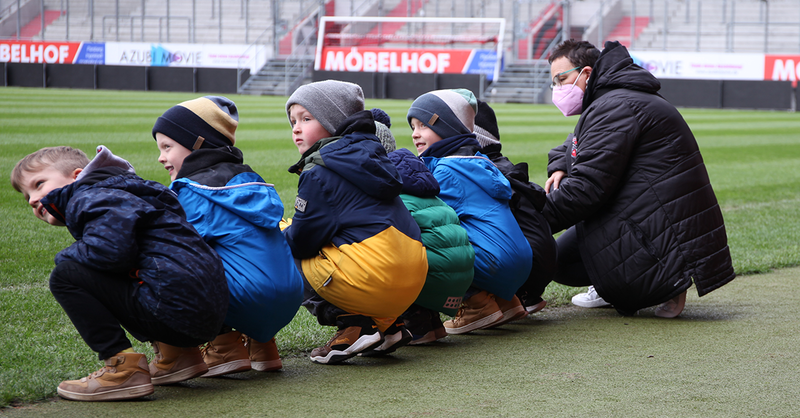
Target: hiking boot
394 337
590 299
356 334
175 364
478 312
264 357
672 307
226 354
424 325
124 376
512 310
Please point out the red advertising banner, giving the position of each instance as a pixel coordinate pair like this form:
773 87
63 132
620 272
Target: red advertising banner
394 60
782 68
38 52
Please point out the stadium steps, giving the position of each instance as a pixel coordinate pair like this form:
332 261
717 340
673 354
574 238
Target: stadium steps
520 83
277 77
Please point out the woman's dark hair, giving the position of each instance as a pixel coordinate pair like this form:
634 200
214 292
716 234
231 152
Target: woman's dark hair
579 53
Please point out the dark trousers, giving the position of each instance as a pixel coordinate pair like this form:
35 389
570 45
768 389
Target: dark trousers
545 251
100 304
571 270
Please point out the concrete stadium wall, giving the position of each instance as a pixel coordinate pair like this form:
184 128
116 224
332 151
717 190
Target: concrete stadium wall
730 94
119 77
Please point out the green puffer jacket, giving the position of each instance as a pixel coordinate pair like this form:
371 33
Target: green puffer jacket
451 258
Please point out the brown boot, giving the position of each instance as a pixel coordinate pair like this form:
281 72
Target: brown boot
511 309
124 376
264 357
175 364
226 354
478 312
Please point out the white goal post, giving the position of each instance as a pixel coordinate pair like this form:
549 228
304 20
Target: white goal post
411 44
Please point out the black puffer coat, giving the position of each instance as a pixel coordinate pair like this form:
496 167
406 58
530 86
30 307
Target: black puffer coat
647 218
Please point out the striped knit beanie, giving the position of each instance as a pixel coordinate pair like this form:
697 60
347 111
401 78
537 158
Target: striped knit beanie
447 112
207 122
329 101
486 129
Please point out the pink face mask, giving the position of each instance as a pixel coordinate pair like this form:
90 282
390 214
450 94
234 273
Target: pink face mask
569 99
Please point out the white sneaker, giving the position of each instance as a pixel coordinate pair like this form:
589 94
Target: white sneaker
590 299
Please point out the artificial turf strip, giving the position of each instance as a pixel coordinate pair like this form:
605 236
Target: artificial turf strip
732 353
752 157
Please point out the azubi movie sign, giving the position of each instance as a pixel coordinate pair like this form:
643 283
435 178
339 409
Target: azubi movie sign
400 60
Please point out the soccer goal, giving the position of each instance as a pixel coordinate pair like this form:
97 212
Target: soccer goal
411 45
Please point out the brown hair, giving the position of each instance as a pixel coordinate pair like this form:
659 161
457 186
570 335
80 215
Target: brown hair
64 159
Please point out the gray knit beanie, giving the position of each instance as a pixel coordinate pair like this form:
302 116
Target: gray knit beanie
385 135
329 101
447 112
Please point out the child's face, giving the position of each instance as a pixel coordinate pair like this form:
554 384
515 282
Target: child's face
306 130
36 185
422 135
171 154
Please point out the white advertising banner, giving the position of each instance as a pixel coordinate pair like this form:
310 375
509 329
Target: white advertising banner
185 55
701 66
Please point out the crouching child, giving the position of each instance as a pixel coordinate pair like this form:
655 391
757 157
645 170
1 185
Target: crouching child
136 264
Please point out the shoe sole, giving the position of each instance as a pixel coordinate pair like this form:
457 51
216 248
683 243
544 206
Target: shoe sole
532 309
394 341
266 366
109 395
364 343
513 314
479 324
235 366
180 375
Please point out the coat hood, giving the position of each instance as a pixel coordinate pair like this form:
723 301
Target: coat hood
417 179
615 69
358 156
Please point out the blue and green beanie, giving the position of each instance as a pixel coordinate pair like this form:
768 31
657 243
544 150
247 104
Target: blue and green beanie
447 112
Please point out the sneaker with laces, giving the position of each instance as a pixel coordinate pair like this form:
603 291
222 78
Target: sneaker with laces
124 376
672 307
394 337
264 357
356 334
478 312
175 364
512 310
590 299
226 354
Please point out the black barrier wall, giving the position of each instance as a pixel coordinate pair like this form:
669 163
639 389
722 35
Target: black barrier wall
404 85
718 94
120 77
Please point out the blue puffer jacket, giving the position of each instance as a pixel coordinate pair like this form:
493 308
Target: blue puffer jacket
479 193
451 259
237 214
136 228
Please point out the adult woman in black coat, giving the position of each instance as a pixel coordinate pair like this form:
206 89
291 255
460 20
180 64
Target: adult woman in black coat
630 187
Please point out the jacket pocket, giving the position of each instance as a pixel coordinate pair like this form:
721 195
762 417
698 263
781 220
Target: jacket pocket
644 241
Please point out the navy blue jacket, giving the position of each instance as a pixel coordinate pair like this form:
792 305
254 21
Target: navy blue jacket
130 227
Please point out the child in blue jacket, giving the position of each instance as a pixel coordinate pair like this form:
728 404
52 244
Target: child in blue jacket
358 247
135 263
442 122
238 215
